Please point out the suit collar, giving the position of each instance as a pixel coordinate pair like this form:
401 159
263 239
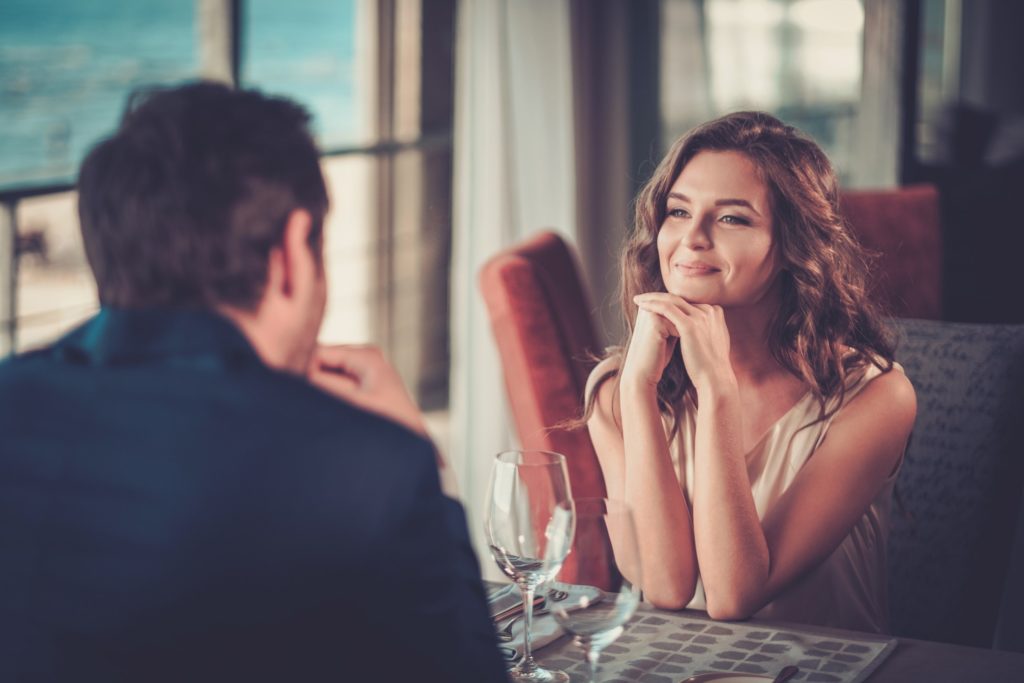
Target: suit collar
122 336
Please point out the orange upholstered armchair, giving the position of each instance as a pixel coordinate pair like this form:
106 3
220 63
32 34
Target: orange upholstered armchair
902 226
542 325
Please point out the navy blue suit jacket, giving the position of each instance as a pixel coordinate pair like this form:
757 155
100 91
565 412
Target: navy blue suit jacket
172 509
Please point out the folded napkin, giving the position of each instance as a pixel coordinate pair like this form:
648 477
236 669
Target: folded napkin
498 590
506 601
545 629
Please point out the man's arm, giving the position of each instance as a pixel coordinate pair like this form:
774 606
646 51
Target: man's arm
434 582
433 604
362 376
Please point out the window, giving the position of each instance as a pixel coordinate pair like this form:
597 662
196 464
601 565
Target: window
377 76
65 70
311 50
938 77
799 59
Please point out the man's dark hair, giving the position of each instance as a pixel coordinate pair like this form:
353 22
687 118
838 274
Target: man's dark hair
182 205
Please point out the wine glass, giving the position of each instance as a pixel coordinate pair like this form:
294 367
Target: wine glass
529 521
604 565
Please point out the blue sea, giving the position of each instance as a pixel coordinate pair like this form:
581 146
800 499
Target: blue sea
67 66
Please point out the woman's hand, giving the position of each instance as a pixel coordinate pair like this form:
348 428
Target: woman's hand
702 332
650 348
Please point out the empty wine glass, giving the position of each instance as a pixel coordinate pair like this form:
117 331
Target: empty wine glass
529 521
604 559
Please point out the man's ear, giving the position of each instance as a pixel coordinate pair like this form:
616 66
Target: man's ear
299 264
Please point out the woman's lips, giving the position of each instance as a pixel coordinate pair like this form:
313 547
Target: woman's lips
696 268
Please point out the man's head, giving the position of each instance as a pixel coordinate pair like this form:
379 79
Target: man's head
193 203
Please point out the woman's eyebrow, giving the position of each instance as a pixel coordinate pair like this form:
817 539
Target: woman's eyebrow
737 202
721 202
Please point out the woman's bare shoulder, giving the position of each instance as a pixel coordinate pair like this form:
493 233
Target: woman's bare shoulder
885 394
898 393
601 387
607 368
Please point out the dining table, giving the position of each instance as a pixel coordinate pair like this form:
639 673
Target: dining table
659 646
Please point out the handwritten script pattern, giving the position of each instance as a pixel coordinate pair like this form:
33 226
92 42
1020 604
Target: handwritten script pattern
959 489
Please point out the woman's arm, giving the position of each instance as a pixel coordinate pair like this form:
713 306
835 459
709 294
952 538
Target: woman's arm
734 554
744 561
637 468
833 489
728 539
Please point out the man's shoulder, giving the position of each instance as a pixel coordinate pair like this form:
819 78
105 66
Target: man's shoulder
34 358
316 424
23 370
319 413
248 398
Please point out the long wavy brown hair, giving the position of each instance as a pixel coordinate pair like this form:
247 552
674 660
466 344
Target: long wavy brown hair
826 328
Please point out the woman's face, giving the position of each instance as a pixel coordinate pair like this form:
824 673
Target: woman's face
715 245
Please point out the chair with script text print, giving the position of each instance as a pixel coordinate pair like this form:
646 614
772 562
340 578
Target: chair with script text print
901 226
959 490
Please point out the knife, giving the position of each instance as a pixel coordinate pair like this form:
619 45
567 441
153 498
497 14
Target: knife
511 604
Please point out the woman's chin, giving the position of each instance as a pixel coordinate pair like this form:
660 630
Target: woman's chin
693 295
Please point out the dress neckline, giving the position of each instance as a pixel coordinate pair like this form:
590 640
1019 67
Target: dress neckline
772 428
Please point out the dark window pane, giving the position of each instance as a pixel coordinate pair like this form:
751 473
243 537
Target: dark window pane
936 82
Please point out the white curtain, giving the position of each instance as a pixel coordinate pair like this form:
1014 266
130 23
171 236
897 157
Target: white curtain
513 167
877 160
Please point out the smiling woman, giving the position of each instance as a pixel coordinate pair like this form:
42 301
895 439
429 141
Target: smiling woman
715 246
751 340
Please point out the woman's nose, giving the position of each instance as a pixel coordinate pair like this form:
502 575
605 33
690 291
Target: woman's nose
697 234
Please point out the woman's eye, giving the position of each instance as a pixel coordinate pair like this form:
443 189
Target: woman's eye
678 213
734 220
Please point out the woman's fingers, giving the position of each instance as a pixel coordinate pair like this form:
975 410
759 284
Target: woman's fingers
663 296
685 307
682 320
701 329
666 311
659 321
650 348
679 302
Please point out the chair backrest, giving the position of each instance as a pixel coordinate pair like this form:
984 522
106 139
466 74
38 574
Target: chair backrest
959 491
902 227
542 325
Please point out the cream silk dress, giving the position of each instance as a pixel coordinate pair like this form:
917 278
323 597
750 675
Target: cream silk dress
848 589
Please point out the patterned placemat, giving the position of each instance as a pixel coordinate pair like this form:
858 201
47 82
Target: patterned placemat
668 647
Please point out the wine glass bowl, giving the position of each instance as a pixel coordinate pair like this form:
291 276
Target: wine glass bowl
606 558
529 526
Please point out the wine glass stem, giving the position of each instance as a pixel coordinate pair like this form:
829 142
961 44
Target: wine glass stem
527 664
593 654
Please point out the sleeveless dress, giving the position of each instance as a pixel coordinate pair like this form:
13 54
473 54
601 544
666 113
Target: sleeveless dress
848 589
